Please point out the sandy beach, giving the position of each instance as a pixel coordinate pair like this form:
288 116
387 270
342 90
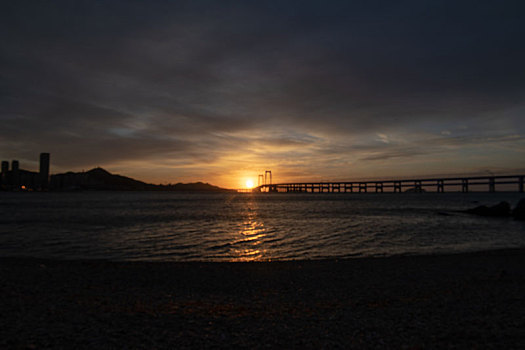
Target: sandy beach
474 300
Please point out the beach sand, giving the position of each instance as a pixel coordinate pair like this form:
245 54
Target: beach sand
474 300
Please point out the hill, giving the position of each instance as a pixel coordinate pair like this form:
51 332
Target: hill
99 179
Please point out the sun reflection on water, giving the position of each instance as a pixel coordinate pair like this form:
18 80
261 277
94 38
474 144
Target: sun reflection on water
247 246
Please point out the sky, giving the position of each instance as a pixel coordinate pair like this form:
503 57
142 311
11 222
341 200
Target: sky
220 91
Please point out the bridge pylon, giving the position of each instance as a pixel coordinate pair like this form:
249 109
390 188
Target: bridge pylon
268 176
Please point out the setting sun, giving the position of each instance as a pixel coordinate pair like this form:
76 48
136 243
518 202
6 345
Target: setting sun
249 183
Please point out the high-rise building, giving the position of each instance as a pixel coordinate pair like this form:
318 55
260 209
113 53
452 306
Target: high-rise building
3 175
44 171
15 175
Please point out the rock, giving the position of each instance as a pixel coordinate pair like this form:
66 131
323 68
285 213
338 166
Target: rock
519 212
501 209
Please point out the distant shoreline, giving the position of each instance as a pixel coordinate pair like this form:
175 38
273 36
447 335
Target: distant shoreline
242 191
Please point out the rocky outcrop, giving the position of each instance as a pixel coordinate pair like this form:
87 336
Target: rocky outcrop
501 209
519 212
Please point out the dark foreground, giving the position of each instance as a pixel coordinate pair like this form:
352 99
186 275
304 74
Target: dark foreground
467 301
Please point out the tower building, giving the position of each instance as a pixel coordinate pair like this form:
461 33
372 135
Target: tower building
3 175
44 171
15 175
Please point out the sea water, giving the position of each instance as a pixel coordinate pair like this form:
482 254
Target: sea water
249 227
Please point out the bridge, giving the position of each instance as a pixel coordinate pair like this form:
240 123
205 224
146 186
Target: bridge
463 184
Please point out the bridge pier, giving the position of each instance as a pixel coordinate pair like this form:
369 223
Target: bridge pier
362 187
464 185
440 186
379 187
492 184
397 186
417 186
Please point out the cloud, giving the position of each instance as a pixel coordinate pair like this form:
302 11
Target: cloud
275 83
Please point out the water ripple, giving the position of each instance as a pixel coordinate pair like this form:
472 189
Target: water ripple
244 227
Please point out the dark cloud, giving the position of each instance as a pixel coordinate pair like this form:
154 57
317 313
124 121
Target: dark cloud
192 82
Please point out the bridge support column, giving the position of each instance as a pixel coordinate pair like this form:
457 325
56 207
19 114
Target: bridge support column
397 186
417 186
440 186
492 184
362 187
464 185
379 187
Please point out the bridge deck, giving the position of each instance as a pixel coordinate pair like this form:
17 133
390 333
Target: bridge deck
464 184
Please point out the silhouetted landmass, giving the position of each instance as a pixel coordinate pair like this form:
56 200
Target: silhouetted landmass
502 209
194 187
519 212
99 179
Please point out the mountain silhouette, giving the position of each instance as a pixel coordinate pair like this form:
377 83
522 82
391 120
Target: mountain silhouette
99 179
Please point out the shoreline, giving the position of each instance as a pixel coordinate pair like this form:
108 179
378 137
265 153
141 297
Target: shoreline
494 251
474 299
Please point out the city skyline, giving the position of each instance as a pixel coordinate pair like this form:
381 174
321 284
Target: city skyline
16 178
202 91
